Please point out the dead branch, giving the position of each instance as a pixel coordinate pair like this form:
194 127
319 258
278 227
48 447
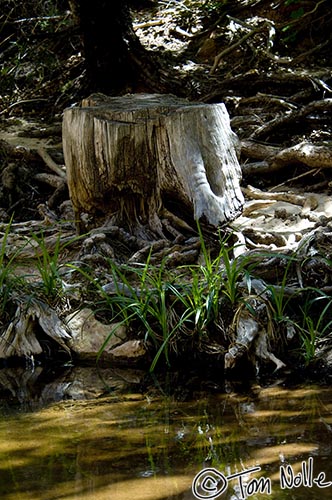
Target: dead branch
307 153
273 158
320 106
258 150
148 24
256 168
182 32
22 101
252 206
50 179
252 336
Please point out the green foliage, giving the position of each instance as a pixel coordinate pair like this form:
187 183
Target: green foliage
297 10
49 265
30 34
5 265
291 2
146 300
170 307
279 298
315 324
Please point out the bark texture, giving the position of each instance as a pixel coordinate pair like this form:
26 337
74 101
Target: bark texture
129 158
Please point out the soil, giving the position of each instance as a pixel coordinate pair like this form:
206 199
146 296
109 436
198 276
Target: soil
269 62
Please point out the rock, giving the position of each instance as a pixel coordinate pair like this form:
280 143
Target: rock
131 349
89 334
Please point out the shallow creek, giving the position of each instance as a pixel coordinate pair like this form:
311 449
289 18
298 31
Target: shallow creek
108 435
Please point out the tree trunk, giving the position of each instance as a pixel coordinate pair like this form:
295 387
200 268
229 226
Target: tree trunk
115 60
129 158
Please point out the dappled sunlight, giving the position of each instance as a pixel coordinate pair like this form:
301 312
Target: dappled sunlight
152 488
272 454
328 207
279 392
151 448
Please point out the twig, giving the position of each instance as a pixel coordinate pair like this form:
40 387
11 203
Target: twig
295 199
229 49
300 19
182 32
148 24
39 18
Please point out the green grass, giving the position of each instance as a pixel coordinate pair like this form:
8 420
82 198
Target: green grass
315 324
151 304
48 264
169 308
175 309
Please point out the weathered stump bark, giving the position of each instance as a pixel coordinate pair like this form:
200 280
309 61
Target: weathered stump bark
129 158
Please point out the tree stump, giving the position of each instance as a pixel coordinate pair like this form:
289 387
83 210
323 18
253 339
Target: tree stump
137 159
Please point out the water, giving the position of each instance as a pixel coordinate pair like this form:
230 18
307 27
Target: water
93 436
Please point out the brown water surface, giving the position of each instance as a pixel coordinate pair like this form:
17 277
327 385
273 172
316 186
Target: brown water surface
135 443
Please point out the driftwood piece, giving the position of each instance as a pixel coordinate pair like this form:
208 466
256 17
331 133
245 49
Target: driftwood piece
20 338
253 334
306 153
129 157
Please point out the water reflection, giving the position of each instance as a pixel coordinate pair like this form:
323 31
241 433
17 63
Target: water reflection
110 436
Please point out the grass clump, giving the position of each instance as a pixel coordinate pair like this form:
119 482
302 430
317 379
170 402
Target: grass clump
146 301
314 326
49 265
173 309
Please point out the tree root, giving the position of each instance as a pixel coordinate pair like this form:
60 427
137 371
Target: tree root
321 106
274 159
